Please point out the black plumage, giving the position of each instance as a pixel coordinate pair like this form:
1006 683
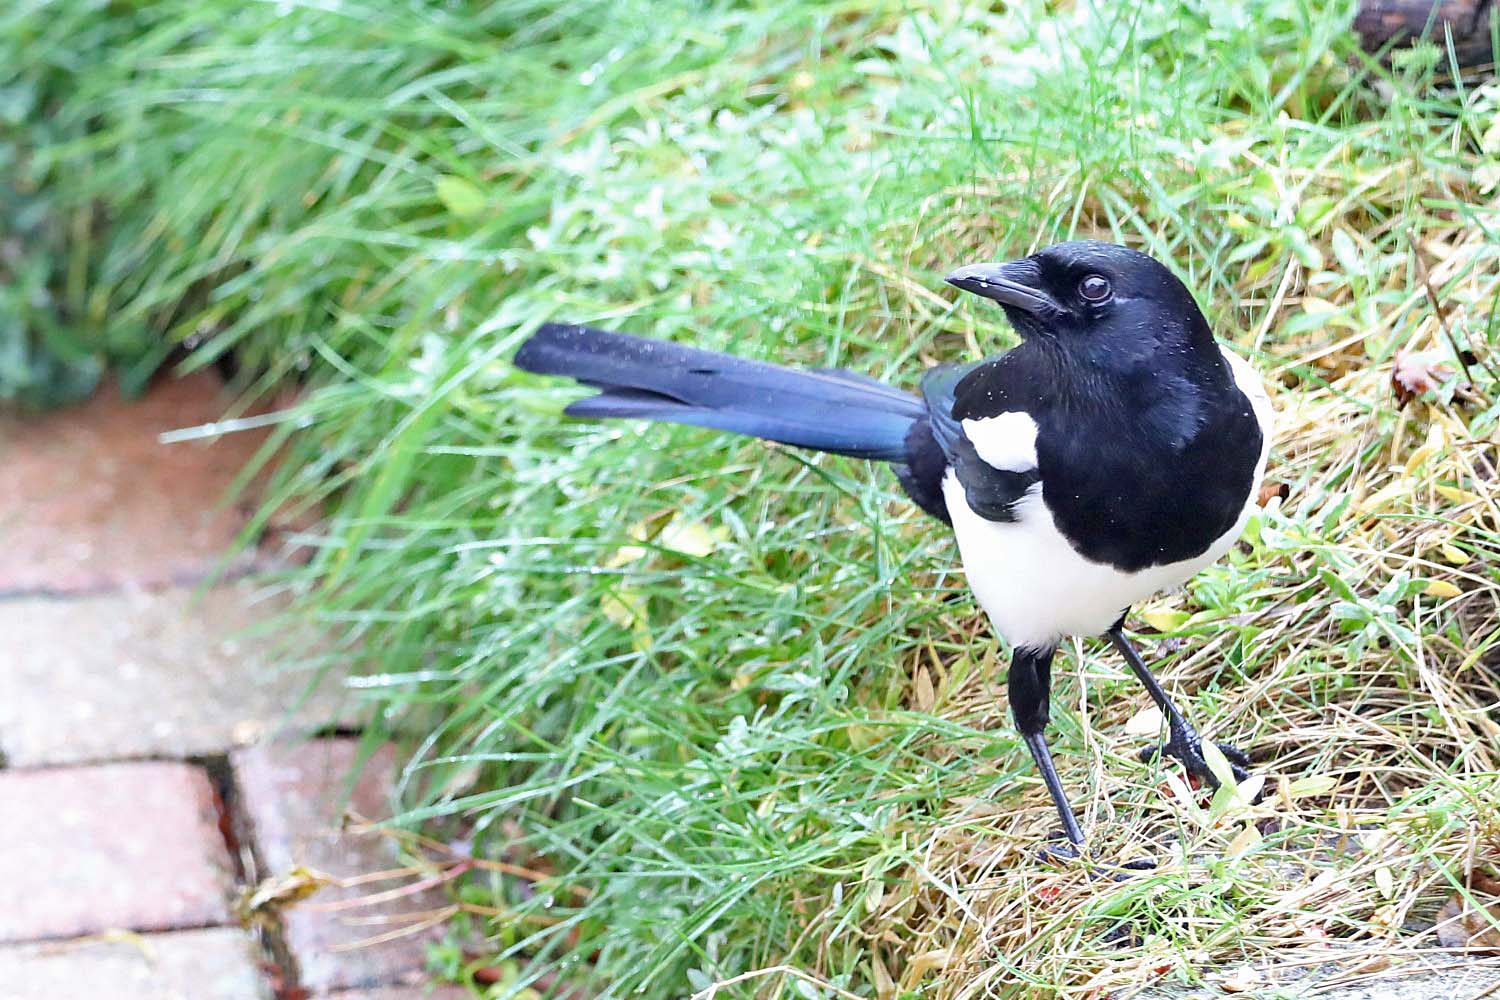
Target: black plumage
1114 452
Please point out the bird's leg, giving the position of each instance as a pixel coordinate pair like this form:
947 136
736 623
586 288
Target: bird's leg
1030 685
1183 742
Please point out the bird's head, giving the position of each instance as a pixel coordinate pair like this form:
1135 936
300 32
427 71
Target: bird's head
1097 298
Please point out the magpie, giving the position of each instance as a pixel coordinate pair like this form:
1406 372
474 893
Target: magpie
1112 454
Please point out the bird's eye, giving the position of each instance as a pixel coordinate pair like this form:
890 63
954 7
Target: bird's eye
1094 288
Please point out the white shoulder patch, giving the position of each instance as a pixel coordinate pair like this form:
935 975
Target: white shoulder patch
1006 441
1249 382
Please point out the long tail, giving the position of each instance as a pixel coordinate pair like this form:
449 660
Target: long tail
825 409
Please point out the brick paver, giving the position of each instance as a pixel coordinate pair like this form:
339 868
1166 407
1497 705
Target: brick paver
218 964
90 500
167 674
119 665
292 795
90 849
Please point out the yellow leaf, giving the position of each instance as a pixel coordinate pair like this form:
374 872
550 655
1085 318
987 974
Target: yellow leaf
925 695
640 531
1455 495
1442 589
691 538
1377 501
623 606
461 197
623 555
627 609
1454 555
1246 839
1419 456
1164 619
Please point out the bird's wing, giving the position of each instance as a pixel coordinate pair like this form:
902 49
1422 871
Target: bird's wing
980 417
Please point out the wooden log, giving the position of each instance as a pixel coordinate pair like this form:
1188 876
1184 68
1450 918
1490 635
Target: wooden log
1381 22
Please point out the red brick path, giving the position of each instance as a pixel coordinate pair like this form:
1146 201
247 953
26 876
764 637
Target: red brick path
153 750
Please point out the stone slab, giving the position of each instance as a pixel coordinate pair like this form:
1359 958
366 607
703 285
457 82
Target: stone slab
117 846
172 673
293 798
1442 977
218 964
91 500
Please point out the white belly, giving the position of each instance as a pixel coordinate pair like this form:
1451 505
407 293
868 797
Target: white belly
1033 584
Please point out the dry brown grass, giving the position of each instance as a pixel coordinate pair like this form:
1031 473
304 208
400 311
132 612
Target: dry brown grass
1381 754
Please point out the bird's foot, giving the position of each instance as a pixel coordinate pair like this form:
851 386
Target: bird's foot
1060 851
1186 746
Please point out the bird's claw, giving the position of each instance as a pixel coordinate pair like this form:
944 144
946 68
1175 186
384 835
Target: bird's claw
1060 851
1186 746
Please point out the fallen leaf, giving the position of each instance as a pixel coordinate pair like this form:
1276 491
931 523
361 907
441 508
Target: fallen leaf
1414 373
1441 588
1435 444
1164 619
1318 784
925 695
1243 841
1455 495
1454 554
1460 926
627 609
260 902
461 197
691 538
885 986
1242 980
1146 722
919 965
1385 882
1273 491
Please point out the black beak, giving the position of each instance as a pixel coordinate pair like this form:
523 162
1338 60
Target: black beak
1015 283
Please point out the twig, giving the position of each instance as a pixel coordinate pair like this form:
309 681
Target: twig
1442 314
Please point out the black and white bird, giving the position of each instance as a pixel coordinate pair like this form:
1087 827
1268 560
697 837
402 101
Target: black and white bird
1114 453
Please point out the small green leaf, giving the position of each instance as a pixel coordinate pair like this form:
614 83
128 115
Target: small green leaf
1219 765
463 198
1303 248
1336 583
1317 784
1349 257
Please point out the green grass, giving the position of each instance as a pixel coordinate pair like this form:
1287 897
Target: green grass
686 674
